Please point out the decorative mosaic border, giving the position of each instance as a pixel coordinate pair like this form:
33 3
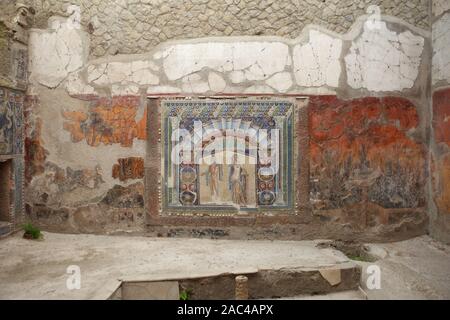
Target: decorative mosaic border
13 100
154 171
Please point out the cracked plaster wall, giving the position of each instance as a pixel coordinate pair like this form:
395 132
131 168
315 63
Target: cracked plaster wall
387 58
67 51
136 26
90 111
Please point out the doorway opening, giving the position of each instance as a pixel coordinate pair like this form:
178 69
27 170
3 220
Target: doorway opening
5 192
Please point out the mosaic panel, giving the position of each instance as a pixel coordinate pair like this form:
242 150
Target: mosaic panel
18 183
11 122
20 65
227 154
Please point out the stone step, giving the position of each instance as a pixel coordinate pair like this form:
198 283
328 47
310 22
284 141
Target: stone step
343 295
275 269
5 228
297 282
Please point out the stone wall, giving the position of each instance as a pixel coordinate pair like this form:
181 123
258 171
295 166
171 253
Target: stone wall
440 142
136 26
14 21
90 124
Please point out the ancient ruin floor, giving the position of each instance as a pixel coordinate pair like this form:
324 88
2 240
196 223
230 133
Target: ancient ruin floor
414 269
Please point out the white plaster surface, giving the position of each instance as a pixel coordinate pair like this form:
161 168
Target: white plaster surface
136 72
383 60
261 59
281 82
163 89
124 90
216 82
259 89
194 84
317 63
237 76
55 52
378 60
76 86
441 49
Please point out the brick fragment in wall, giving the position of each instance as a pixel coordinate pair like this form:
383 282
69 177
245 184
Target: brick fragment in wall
360 152
128 168
108 121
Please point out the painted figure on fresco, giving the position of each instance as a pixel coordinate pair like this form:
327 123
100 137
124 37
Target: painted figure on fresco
213 176
237 182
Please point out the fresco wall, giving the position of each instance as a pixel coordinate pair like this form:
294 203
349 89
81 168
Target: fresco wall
440 142
96 134
364 161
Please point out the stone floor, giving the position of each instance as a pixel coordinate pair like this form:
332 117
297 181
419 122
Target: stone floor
418 268
414 269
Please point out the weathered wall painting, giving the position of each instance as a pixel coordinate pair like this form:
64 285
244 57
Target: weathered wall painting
108 121
11 122
6 123
365 159
228 154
